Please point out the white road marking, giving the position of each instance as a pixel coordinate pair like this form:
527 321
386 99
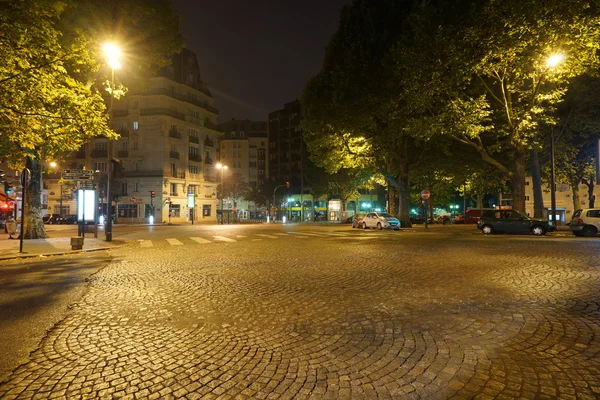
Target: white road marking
200 240
146 243
267 236
174 242
224 239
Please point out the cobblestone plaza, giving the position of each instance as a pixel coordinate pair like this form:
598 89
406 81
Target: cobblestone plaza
330 313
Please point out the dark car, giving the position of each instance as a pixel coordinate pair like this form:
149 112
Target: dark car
512 221
51 219
69 220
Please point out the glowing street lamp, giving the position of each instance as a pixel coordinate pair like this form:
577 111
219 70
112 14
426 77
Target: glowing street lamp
112 54
222 168
552 62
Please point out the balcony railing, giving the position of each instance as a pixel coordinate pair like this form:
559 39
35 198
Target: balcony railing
123 153
194 139
177 96
209 143
195 157
99 153
133 174
174 194
174 133
209 160
178 175
174 154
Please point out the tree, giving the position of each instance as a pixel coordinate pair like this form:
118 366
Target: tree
483 71
50 103
347 118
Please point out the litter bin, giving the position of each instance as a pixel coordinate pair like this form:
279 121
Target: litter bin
11 227
77 243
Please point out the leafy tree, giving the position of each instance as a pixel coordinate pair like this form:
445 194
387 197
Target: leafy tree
481 68
50 103
347 120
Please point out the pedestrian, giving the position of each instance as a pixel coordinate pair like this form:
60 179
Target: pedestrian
11 227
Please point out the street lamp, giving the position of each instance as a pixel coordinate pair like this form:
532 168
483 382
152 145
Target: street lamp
112 54
222 168
552 62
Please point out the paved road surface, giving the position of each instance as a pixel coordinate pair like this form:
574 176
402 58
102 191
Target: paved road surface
329 312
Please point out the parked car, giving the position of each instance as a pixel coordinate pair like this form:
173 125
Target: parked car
585 222
51 218
512 221
380 220
357 221
69 220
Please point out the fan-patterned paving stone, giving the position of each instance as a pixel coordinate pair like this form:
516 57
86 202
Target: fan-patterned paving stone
419 321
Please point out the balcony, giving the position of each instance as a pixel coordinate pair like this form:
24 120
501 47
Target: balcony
135 174
124 132
99 153
174 194
194 139
123 153
209 160
195 157
174 133
174 154
209 124
166 92
209 143
178 175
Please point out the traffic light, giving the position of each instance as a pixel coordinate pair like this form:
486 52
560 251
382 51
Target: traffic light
152 194
287 183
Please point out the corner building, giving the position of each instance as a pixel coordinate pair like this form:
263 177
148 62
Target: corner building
167 146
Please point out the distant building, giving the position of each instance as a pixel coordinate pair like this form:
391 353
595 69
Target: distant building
243 149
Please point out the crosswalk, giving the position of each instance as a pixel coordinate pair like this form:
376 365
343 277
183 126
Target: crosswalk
196 240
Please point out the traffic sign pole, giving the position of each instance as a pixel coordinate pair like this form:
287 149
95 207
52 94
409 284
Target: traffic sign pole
425 196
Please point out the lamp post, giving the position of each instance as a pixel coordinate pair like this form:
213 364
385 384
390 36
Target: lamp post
222 168
552 62
112 54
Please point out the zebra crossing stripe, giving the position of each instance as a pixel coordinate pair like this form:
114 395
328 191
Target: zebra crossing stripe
267 236
146 243
200 240
174 242
224 239
281 234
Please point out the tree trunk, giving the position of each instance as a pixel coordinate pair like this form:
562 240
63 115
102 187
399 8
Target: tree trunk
403 185
575 193
538 200
34 226
591 192
518 179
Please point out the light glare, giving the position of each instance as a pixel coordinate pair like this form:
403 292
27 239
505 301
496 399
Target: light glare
554 60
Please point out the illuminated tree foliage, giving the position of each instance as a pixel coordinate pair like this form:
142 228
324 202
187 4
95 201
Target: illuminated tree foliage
49 65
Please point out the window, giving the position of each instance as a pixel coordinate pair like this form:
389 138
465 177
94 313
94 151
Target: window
526 183
136 125
193 189
262 143
136 187
193 113
123 146
194 169
101 146
173 189
100 166
124 189
175 210
134 145
135 104
252 164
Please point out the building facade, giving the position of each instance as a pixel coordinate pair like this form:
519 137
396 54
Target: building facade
243 149
164 160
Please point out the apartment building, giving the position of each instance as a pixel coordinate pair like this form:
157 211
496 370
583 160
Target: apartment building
165 158
243 149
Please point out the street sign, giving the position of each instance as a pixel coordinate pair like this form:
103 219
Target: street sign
133 199
74 172
25 177
425 194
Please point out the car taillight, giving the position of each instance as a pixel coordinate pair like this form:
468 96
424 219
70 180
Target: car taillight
579 221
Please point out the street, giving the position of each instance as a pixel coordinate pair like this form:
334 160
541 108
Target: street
324 311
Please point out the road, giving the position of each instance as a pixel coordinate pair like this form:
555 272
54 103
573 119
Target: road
314 311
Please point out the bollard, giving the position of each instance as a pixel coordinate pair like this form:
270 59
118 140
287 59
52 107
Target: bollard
77 243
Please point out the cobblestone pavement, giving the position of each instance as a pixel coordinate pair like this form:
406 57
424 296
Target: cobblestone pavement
402 316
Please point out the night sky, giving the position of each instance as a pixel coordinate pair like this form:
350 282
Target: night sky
257 55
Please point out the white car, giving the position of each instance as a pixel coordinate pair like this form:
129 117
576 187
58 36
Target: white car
586 222
380 220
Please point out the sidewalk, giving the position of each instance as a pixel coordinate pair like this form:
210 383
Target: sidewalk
48 247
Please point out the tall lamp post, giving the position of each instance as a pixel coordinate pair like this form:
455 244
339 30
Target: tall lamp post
112 53
222 168
551 63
